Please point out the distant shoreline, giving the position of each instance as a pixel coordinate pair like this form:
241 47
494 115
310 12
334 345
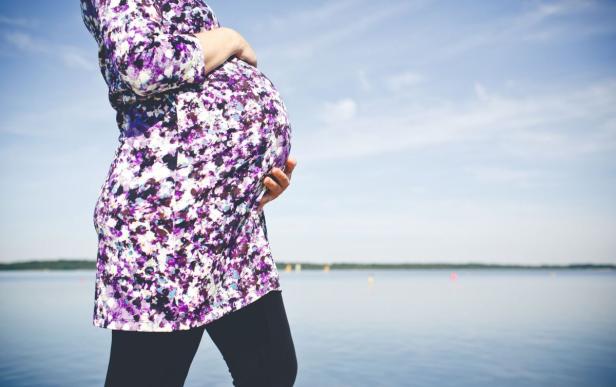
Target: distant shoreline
68 264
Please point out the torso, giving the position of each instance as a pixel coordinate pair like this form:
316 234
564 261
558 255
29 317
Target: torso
181 242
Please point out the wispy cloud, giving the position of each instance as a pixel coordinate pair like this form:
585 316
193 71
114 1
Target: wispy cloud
530 25
57 121
331 27
323 13
19 21
549 125
70 56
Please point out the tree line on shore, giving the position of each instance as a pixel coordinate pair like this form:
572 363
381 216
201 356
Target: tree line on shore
75 264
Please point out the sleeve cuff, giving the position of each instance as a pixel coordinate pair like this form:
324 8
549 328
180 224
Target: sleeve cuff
196 59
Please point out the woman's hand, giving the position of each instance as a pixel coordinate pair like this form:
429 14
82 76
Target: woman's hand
275 188
218 44
245 51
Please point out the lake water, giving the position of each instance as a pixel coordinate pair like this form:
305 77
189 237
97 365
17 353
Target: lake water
404 328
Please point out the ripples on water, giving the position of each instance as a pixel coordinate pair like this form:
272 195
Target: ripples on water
405 328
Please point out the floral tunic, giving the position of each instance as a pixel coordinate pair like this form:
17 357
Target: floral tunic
181 241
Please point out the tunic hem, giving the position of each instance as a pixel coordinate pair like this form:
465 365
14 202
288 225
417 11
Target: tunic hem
214 314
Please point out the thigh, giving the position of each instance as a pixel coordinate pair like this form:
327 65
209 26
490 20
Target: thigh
256 343
151 358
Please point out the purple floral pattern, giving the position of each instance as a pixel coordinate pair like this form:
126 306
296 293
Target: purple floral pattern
181 241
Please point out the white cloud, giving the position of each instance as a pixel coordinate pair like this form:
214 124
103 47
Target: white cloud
481 91
339 111
403 80
25 42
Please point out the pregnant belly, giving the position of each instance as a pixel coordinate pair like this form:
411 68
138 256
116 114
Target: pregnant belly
236 118
230 134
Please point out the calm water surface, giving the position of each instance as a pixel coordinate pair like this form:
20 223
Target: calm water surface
405 328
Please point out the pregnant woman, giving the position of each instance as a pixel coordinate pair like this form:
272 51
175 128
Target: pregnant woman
182 238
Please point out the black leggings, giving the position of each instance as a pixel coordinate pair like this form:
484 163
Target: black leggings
255 342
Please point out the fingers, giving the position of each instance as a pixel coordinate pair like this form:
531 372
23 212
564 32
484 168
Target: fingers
290 165
281 182
281 178
273 187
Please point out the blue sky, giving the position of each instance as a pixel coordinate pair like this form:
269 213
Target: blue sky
424 131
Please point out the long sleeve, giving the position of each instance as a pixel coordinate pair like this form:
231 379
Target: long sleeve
149 60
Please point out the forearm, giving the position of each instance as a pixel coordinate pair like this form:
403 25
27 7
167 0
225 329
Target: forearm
218 45
151 60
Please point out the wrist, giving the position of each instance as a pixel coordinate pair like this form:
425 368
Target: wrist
235 40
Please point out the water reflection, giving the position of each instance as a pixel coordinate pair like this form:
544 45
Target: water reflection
355 328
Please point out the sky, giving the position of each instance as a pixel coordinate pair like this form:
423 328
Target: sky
424 131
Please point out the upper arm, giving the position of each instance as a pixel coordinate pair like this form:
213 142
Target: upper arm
147 58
